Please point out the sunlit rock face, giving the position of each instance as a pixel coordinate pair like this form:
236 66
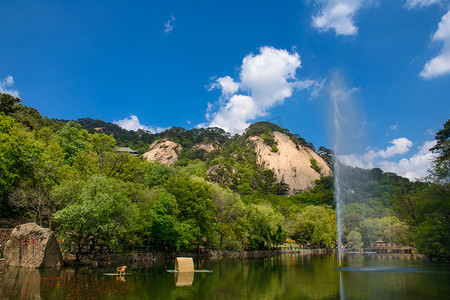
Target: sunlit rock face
208 147
33 246
291 163
164 151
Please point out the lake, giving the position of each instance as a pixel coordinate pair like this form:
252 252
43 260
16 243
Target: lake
288 276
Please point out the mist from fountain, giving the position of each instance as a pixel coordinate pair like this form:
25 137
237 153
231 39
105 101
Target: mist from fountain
337 173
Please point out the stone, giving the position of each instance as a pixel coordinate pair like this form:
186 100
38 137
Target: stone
33 246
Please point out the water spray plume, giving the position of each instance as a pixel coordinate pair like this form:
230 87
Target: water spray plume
337 174
344 117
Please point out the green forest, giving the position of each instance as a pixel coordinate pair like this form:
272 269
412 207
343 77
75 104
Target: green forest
68 176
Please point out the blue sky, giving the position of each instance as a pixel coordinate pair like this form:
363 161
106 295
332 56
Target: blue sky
157 64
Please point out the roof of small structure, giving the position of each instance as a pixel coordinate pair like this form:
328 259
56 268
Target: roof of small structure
126 149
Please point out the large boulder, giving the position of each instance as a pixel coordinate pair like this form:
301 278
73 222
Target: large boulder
164 151
33 246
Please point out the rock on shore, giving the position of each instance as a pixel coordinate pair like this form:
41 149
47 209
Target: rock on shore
33 246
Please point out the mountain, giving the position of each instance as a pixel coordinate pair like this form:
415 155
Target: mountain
296 165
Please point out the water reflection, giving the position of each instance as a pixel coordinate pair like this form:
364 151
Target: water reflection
184 278
292 276
25 283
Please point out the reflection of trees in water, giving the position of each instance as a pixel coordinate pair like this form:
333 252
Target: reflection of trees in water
88 284
281 277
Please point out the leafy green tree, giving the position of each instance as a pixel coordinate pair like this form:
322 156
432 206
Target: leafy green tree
158 174
266 226
102 144
72 140
8 103
432 235
371 230
166 230
441 167
354 240
316 226
45 160
231 218
101 214
13 166
195 207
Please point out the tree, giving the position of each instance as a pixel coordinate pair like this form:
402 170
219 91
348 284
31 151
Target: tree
316 226
72 140
7 103
441 165
266 226
102 144
166 230
195 207
231 218
354 240
158 174
45 160
101 213
13 146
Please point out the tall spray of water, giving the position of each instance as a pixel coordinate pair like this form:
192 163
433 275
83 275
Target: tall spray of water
337 172
345 131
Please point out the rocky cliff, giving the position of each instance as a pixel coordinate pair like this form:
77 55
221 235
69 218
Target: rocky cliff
164 151
296 165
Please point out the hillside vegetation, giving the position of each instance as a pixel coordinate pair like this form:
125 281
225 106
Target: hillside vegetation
217 194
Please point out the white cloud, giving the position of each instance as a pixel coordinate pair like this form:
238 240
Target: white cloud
338 15
9 80
411 4
168 26
132 123
234 115
400 146
6 86
440 65
413 167
226 84
266 80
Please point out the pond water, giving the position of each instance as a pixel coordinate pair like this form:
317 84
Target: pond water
289 276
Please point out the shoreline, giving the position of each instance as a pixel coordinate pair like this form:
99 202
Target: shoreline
142 259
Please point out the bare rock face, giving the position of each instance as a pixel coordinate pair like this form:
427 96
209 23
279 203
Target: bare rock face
208 147
164 151
290 163
33 246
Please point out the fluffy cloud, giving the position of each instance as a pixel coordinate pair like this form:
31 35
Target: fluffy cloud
132 123
399 146
266 80
168 26
414 167
226 84
440 64
6 86
420 3
337 15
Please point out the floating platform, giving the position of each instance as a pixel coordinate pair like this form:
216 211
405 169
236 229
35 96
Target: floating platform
115 274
